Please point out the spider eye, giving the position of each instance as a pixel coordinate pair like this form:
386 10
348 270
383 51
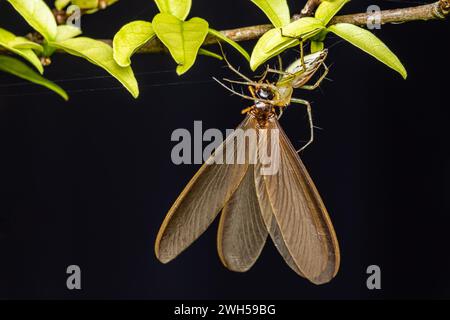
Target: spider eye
265 94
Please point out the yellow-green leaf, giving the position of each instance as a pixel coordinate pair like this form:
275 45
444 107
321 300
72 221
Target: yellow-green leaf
368 42
9 41
303 28
208 53
24 43
275 41
61 4
234 44
276 10
270 45
21 70
316 46
100 54
328 9
86 4
38 15
89 5
65 32
182 38
177 8
130 38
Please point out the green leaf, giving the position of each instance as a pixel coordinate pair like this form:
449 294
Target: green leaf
369 43
182 38
65 32
222 37
9 41
48 50
303 28
316 46
100 54
38 15
94 10
21 70
24 43
177 8
273 43
208 53
130 38
61 4
270 45
276 10
86 4
328 9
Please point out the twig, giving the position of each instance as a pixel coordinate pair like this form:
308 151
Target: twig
433 11
309 9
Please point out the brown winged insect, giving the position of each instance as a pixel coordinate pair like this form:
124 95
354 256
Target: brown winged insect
256 200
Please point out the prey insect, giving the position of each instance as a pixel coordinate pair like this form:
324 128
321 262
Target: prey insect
297 75
283 204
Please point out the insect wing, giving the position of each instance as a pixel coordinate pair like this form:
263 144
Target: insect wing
202 199
295 215
270 222
242 232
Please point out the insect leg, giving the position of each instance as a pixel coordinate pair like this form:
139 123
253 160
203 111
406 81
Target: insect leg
243 95
230 65
249 83
280 72
284 76
252 83
310 118
270 70
319 81
280 114
280 63
246 110
302 55
263 76
233 91
252 92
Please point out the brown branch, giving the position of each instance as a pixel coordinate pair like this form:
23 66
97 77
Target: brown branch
434 11
309 9
238 35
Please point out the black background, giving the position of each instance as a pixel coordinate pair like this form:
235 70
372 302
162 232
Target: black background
88 182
